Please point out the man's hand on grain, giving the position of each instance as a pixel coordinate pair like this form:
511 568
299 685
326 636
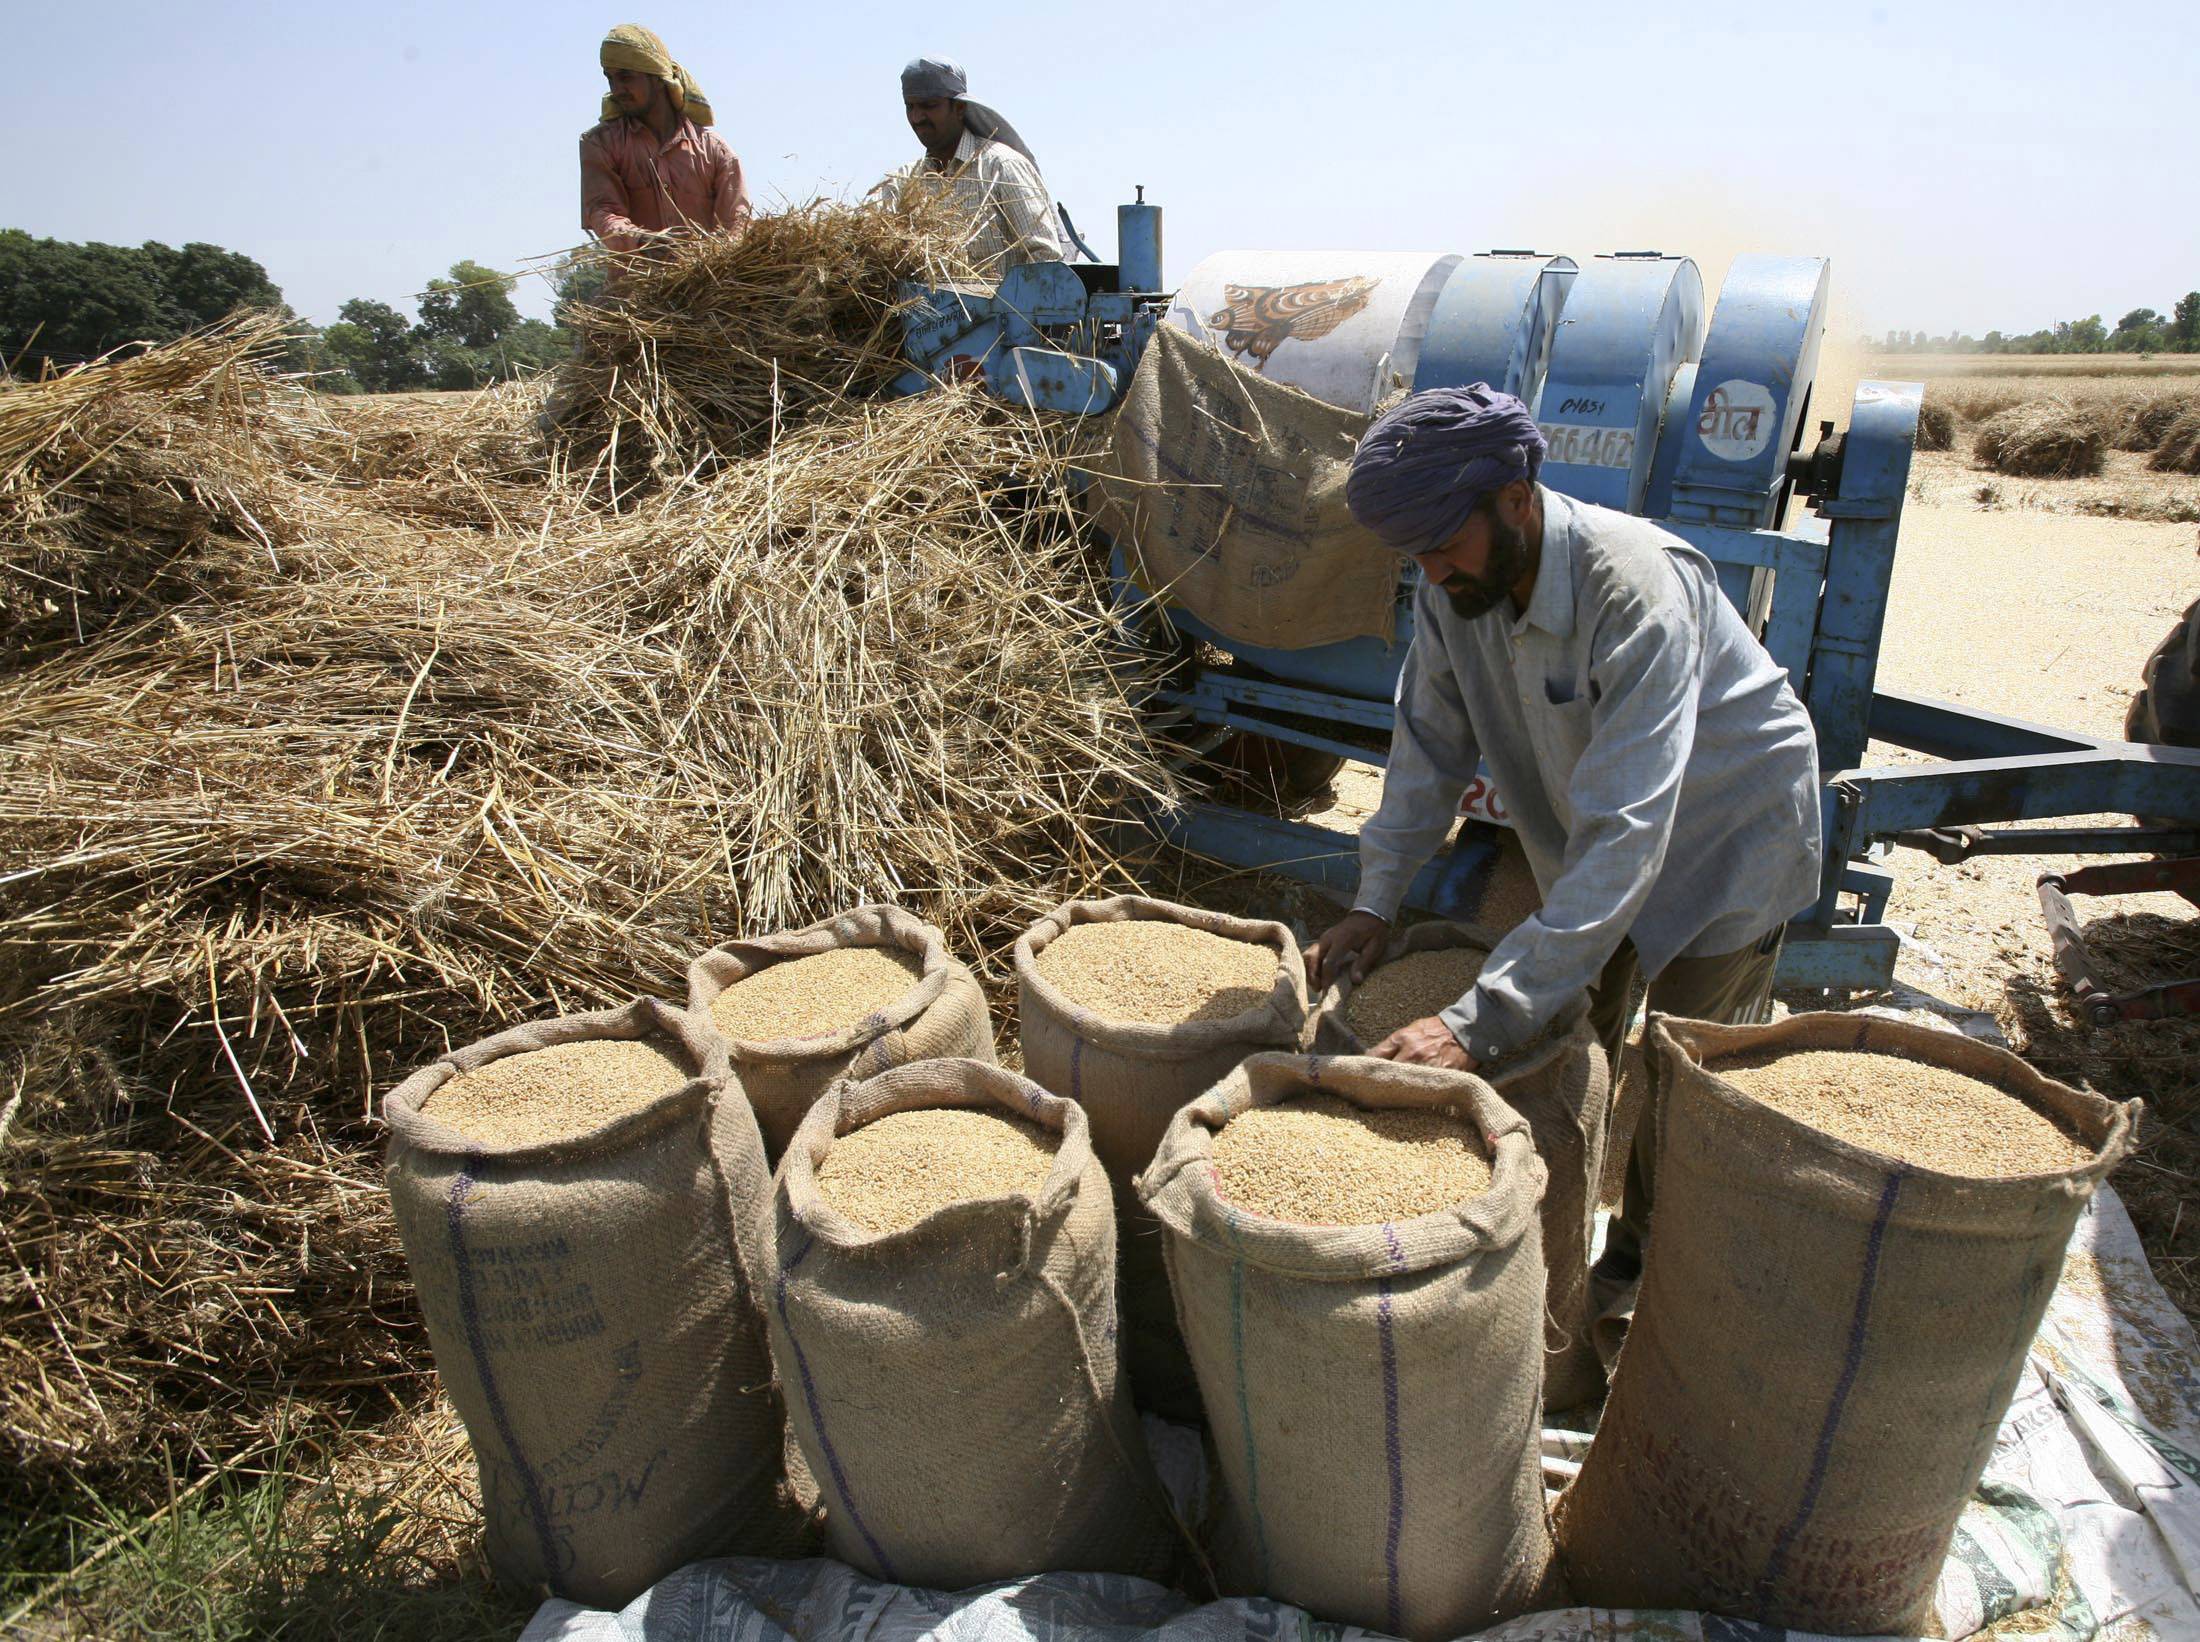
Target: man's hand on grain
1356 941
1425 1042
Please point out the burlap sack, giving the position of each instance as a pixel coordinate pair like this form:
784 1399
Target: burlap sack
1825 1343
954 1385
1226 491
1374 1389
1130 1079
594 1312
1562 1086
943 1013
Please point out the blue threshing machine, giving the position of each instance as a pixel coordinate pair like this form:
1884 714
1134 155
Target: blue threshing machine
1697 416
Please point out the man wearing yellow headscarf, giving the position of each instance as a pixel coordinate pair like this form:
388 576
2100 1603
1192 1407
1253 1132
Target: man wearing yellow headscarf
653 167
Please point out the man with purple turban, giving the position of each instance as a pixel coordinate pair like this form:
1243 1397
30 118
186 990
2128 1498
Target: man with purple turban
1661 776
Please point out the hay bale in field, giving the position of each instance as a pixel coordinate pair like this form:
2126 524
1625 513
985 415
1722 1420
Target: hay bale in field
2146 421
1936 425
2179 449
2042 439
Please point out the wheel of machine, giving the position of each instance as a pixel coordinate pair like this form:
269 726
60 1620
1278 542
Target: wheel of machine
2166 711
1283 770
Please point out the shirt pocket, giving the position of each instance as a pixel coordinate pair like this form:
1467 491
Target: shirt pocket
1560 724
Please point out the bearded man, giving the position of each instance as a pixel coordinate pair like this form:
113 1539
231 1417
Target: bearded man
653 168
1661 776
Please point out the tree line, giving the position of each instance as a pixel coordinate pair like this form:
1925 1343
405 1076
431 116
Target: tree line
2142 330
63 303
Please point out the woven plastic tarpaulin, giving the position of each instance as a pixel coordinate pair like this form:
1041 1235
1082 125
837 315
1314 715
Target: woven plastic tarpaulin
2087 1523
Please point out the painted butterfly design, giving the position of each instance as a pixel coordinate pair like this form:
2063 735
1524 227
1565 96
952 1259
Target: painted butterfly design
1262 318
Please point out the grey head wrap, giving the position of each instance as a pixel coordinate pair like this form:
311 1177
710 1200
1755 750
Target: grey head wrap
1423 465
929 77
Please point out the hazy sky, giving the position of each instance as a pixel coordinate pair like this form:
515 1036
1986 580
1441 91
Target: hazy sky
1965 165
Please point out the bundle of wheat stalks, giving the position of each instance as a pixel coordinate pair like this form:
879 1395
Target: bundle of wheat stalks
2042 439
710 353
388 728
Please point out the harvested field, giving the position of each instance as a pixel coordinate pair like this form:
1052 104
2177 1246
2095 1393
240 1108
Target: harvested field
2042 439
1924 1115
1408 989
1157 972
1321 1161
814 997
556 1093
2134 402
897 1170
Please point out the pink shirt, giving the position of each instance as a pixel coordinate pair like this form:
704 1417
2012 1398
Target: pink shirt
630 182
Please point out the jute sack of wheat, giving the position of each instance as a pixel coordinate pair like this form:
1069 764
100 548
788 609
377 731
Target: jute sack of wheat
1559 1083
1357 1261
1131 1007
584 1206
1858 1224
852 995
945 1311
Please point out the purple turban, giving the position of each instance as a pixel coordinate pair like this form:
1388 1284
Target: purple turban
1424 464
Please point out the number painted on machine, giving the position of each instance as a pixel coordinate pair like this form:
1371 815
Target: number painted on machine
1480 802
1588 447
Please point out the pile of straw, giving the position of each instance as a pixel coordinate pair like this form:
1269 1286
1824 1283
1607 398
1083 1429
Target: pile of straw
451 741
706 354
138 481
2042 439
2146 421
1936 425
2178 451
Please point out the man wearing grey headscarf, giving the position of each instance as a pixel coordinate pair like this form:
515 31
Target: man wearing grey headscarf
976 158
1660 775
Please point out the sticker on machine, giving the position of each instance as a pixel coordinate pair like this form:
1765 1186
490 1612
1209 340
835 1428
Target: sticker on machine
1587 447
1738 420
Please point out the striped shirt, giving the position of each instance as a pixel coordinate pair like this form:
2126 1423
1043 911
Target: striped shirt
1660 774
1000 193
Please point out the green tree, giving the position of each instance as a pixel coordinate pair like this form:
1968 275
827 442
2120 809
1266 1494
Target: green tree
472 307
62 302
2184 324
2086 335
2139 331
378 346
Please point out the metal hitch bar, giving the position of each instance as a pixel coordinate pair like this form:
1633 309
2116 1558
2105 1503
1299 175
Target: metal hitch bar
2100 1006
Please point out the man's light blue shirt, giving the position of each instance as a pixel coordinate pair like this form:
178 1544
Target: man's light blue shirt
1660 774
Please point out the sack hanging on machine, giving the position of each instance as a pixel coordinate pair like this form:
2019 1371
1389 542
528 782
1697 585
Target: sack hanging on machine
589 1280
1559 1083
884 991
1374 1389
1888 1308
1131 1075
954 1356
1226 492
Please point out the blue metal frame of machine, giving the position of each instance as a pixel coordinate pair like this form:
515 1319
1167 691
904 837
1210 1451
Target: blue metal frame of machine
1698 419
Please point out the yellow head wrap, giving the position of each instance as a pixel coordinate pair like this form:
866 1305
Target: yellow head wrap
636 49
